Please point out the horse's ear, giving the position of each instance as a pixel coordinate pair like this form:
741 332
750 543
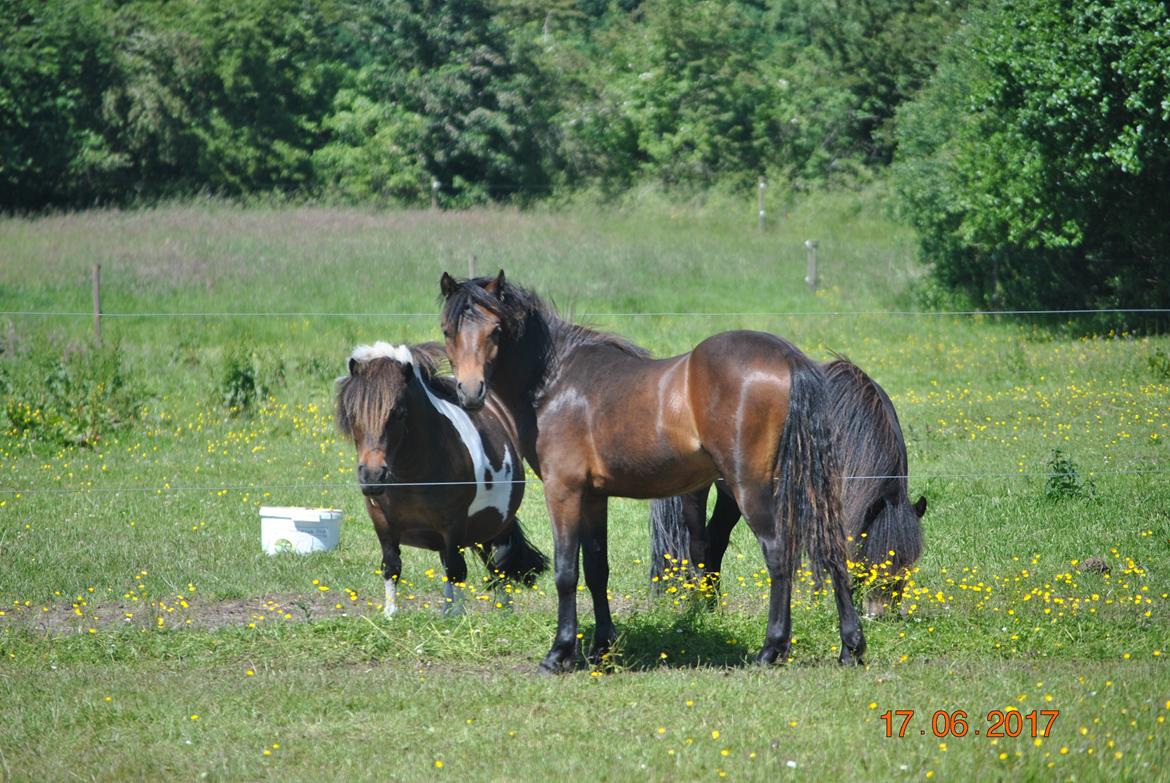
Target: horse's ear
920 506
496 287
447 285
352 365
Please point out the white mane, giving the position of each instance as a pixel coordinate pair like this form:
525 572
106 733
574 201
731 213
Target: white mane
381 350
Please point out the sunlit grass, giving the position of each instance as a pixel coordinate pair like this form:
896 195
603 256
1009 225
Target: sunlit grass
132 584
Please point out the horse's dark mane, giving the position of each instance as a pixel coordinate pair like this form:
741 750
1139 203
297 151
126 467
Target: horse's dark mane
521 310
870 443
365 397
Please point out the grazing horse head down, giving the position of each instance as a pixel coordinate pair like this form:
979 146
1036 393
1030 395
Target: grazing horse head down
371 405
884 524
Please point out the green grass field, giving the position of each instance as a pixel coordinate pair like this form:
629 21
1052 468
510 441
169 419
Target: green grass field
143 633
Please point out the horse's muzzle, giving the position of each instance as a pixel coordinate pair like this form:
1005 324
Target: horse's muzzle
471 400
373 481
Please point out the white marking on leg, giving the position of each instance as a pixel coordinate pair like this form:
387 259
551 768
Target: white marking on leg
390 607
500 492
454 599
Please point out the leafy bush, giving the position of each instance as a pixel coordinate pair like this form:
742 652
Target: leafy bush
1159 362
1064 479
246 381
1036 165
77 396
496 99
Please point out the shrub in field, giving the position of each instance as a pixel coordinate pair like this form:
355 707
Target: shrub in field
1160 365
245 381
76 395
1064 479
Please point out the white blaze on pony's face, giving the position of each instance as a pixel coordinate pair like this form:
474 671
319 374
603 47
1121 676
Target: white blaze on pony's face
372 410
472 338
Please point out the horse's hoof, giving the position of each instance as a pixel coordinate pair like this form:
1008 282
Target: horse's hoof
771 655
598 656
849 658
550 666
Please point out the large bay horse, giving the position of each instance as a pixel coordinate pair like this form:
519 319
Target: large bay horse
433 475
598 418
883 525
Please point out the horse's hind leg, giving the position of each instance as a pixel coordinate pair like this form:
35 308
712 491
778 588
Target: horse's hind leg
455 568
493 556
694 514
724 518
852 638
595 559
780 557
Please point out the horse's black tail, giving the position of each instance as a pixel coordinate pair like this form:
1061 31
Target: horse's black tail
517 558
670 538
808 492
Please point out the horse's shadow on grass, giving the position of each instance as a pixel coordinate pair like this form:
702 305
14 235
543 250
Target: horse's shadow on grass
696 638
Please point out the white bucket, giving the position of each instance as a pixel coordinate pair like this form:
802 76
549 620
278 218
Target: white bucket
299 530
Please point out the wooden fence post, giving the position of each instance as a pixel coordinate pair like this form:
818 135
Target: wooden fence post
471 266
811 276
435 185
97 302
760 201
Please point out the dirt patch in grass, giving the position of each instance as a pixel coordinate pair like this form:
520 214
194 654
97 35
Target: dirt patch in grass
188 613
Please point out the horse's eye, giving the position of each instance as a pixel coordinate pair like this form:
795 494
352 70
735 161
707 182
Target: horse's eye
497 332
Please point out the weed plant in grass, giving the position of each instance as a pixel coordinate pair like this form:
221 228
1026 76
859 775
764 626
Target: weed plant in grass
134 595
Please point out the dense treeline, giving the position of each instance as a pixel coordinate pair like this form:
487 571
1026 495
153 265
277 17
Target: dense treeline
1030 138
106 101
1036 165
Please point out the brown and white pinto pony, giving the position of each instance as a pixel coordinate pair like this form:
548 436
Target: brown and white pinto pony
434 476
598 418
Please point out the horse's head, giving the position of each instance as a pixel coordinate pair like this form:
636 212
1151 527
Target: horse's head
901 543
372 409
474 321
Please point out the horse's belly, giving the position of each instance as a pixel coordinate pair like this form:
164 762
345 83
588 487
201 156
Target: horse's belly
653 477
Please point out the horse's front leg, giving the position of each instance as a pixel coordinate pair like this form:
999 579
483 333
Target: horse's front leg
564 509
852 637
455 568
391 555
595 559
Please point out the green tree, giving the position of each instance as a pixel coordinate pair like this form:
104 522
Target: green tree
1036 166
483 116
55 62
859 60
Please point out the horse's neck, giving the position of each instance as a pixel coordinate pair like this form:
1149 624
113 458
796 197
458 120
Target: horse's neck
520 374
